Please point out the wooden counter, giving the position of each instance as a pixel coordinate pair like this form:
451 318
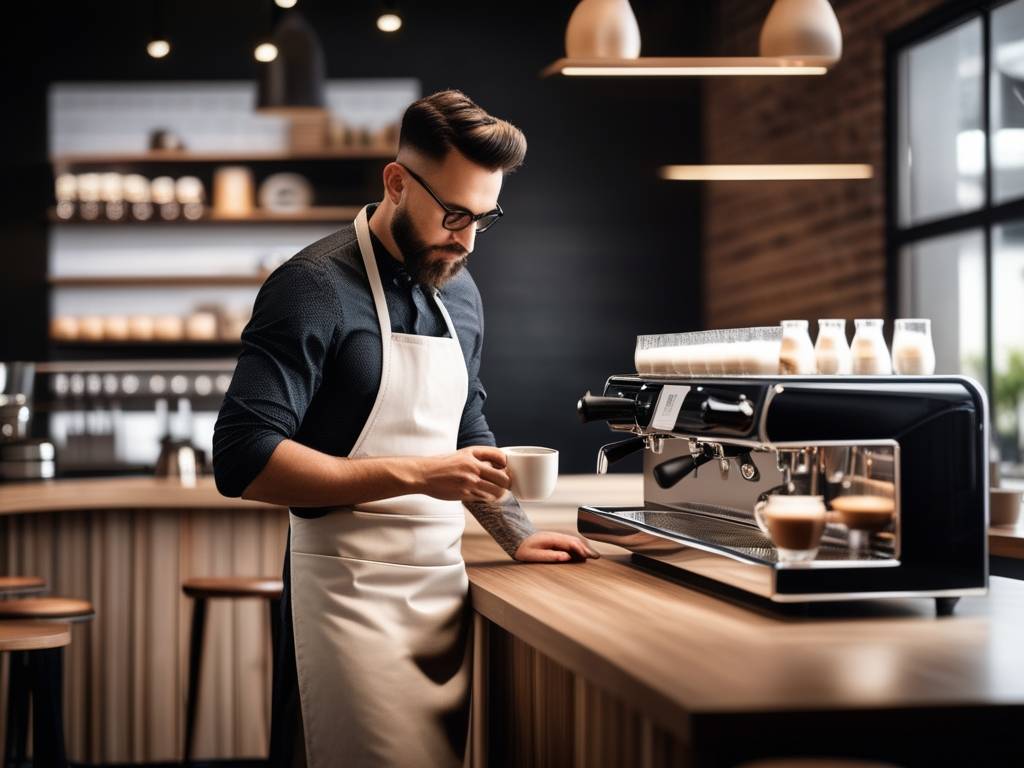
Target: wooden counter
597 663
692 668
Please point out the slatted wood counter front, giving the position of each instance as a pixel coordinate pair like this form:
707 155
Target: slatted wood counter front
126 544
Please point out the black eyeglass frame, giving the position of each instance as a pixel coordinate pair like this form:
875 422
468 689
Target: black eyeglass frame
451 214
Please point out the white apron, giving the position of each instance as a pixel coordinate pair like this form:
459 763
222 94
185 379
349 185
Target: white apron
379 591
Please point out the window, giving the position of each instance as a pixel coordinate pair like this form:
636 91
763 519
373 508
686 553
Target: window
956 202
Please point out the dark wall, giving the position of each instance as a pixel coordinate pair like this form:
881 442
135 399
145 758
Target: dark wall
593 250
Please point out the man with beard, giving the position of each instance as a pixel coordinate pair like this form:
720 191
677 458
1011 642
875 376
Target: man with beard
357 403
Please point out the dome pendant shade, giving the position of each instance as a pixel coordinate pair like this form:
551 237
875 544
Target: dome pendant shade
602 29
802 30
294 81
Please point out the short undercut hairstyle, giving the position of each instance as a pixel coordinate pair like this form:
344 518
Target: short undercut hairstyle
435 124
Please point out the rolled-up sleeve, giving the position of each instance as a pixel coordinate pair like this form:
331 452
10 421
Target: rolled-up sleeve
284 348
474 429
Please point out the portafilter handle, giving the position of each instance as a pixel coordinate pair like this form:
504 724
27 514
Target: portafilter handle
595 407
612 452
670 472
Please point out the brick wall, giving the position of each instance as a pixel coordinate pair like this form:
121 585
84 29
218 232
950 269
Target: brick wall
775 250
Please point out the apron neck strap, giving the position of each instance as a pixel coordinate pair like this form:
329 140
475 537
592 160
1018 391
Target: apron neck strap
372 273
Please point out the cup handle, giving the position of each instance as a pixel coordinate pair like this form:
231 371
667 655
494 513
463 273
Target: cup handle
759 516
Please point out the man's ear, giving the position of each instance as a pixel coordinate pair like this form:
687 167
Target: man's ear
394 182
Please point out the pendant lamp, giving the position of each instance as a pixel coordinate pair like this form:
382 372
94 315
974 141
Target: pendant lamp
602 39
804 30
293 83
602 29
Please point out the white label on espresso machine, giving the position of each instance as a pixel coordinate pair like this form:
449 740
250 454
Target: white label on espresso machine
669 402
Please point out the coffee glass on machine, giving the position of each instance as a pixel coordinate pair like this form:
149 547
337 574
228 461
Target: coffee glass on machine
866 498
795 524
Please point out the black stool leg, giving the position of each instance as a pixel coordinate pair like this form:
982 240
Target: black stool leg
275 642
16 734
275 627
195 658
47 708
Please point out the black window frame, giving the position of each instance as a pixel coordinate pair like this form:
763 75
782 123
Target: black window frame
986 217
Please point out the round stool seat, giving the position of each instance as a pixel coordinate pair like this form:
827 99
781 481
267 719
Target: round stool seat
21 585
63 608
233 586
33 635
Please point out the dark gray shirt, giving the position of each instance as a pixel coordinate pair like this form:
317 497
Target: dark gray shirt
311 356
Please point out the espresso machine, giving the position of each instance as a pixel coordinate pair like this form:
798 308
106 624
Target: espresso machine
715 448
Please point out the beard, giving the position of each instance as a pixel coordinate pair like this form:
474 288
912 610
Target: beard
421 268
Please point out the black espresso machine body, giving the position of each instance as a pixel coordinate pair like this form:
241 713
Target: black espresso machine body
715 446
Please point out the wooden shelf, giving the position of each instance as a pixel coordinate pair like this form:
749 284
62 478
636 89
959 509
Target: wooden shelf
151 350
156 281
322 214
689 66
151 343
174 156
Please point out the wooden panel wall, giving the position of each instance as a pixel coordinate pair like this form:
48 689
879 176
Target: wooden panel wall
777 250
125 672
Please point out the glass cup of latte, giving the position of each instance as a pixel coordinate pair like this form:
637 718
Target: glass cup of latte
864 514
866 502
794 524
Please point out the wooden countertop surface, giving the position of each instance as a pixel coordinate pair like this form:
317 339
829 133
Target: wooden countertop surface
114 493
676 652
1007 540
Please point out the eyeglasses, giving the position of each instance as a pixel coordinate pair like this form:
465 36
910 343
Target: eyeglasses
456 219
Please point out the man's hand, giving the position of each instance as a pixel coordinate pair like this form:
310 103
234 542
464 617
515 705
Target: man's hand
476 473
551 547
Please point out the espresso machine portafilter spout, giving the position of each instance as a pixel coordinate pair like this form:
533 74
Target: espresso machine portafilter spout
613 452
669 473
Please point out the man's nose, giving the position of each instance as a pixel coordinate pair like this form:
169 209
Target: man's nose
465 237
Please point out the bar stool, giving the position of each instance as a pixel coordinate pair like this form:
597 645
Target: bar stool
207 588
42 642
21 585
38 677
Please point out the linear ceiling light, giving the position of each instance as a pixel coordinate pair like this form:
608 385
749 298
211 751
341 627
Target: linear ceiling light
602 39
684 67
767 172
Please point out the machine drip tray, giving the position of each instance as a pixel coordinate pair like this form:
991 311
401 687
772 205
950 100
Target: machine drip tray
731 533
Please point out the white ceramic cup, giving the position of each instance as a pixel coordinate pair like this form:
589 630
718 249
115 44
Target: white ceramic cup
533 470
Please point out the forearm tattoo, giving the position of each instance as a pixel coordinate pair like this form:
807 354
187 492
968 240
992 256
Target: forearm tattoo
504 520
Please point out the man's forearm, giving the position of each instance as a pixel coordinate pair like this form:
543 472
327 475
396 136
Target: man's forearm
504 520
298 476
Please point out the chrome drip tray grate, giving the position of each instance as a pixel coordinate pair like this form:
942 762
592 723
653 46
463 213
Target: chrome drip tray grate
731 532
